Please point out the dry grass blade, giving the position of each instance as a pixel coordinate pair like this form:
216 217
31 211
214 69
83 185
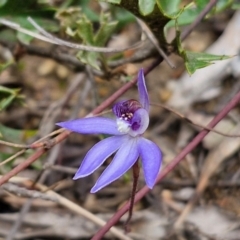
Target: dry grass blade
193 123
16 145
17 27
47 37
226 148
12 157
70 205
23 192
154 41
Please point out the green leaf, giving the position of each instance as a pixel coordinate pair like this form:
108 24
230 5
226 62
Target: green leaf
123 16
112 1
90 58
169 9
84 4
184 16
7 90
4 66
25 8
15 135
2 2
5 102
86 33
201 3
146 6
236 6
7 96
8 166
194 60
105 30
85 30
191 11
18 11
24 38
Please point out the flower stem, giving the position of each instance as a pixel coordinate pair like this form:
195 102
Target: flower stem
135 172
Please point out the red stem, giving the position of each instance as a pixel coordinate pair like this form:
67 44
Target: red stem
169 167
136 171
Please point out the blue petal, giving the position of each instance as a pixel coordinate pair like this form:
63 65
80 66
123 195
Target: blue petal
142 89
139 122
151 160
91 125
124 159
98 154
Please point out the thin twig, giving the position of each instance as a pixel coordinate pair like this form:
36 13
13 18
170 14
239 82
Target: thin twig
34 145
59 41
17 27
199 18
23 192
12 157
15 145
54 54
60 168
47 37
192 122
154 41
22 166
70 205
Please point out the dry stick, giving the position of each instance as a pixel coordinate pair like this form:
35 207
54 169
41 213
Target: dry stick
22 166
192 122
23 192
170 166
52 39
16 145
154 41
61 42
68 204
199 18
12 157
54 54
36 144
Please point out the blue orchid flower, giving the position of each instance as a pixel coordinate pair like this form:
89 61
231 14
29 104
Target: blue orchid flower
132 119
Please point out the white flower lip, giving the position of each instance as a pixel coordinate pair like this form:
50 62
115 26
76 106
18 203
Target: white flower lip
123 126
